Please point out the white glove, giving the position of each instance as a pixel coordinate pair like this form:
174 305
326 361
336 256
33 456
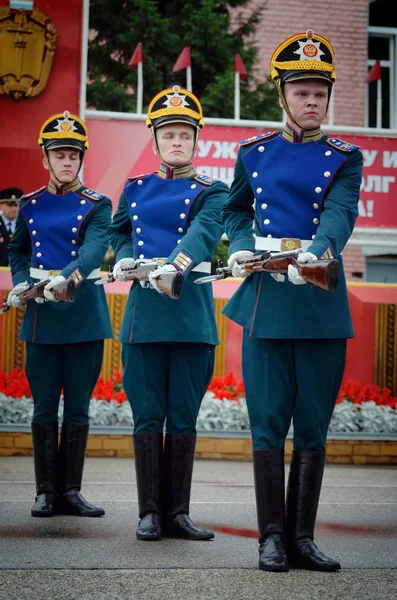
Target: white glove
48 295
234 259
13 299
303 258
153 275
279 277
123 263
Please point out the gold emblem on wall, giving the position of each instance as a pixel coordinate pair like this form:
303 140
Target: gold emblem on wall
27 47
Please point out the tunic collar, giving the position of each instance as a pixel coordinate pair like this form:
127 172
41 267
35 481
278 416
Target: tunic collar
306 135
65 188
166 172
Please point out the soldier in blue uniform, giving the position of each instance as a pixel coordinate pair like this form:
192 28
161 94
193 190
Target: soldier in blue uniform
61 232
299 188
168 345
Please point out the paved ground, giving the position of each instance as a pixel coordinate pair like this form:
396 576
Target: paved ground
66 558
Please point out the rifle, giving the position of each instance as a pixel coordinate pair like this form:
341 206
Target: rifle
63 291
169 283
320 273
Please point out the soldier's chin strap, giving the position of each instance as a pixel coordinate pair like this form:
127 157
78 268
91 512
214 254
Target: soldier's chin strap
286 107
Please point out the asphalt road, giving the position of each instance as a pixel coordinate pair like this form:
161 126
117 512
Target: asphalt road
67 557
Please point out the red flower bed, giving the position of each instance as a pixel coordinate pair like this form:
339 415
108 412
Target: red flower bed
356 393
111 389
16 385
227 387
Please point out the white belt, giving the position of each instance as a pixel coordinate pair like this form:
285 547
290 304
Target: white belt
43 274
203 267
281 244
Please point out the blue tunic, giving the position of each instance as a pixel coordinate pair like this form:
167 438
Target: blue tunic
178 219
304 188
65 233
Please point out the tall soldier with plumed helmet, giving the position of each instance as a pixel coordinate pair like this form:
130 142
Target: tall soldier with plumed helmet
61 233
168 351
297 188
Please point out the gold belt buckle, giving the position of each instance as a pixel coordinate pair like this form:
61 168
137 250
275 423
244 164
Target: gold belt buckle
290 244
53 272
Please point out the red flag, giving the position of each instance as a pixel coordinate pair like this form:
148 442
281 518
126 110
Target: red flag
239 67
183 60
137 57
375 73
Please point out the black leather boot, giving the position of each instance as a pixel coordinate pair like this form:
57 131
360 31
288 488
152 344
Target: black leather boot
45 449
178 465
71 457
148 453
270 505
304 486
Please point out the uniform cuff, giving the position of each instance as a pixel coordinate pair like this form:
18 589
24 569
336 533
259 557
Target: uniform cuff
322 252
183 262
246 243
20 277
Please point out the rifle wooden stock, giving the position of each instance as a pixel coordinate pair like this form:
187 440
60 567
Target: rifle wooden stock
321 273
169 283
324 275
63 291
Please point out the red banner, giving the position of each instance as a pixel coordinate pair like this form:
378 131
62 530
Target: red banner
120 149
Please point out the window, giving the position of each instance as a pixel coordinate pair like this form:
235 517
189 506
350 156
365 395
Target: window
381 269
382 46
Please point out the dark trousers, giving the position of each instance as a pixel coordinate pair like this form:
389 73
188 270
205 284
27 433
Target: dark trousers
165 382
291 380
73 367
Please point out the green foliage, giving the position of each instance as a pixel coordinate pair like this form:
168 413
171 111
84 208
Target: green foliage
164 28
221 253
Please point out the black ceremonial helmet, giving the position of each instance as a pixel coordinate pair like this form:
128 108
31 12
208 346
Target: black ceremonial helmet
64 130
175 105
302 56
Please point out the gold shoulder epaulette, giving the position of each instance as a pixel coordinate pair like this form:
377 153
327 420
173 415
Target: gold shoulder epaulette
92 194
35 193
205 179
135 177
341 145
258 138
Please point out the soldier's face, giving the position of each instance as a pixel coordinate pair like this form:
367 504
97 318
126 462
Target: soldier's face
175 144
307 102
10 210
65 164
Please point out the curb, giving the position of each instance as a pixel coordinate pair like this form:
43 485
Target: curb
380 450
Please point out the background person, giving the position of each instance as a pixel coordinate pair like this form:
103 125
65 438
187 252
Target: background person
9 206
